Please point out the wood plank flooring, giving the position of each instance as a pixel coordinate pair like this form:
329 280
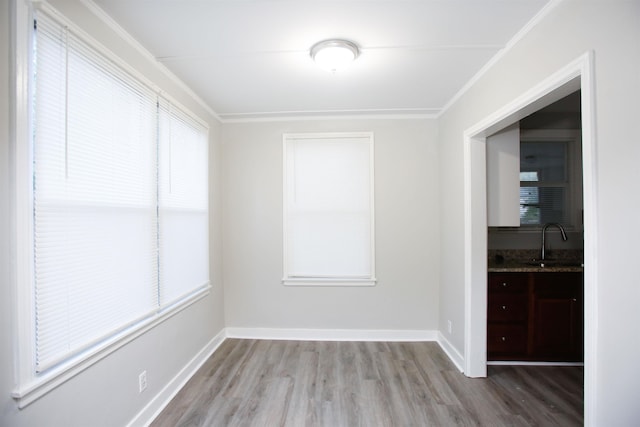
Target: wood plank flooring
305 383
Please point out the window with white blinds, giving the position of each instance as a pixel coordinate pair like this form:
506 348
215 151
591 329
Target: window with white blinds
328 209
544 182
119 198
183 204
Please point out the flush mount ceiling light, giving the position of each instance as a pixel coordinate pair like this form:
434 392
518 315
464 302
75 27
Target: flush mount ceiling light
334 54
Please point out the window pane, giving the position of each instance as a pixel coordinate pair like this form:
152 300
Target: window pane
531 176
539 205
529 205
544 161
552 205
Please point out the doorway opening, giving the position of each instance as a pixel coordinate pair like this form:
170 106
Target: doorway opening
534 195
577 75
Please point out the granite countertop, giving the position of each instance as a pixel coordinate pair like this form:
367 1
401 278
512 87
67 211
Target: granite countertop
522 267
524 260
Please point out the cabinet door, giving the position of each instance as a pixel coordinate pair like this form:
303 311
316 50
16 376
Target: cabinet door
557 317
503 178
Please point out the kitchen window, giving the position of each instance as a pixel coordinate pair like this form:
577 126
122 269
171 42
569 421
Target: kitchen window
550 178
543 182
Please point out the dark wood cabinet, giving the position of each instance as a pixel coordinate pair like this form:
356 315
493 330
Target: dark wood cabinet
507 316
557 316
535 316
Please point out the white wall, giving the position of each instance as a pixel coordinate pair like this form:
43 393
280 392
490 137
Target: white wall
611 29
107 392
407 259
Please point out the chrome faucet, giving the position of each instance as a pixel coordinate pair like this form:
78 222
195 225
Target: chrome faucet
544 231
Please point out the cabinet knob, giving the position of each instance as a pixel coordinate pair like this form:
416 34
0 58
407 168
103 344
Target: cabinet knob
504 307
504 284
504 338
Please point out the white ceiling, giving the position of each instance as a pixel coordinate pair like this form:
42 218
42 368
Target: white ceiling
250 58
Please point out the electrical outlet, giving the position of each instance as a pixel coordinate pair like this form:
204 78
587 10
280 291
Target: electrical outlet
142 381
450 326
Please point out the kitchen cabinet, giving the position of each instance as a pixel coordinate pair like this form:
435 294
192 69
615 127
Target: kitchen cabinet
503 177
535 316
557 316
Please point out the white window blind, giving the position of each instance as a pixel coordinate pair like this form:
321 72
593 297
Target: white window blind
543 182
183 205
328 207
102 261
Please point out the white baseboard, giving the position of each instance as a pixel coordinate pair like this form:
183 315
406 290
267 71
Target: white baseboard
332 334
451 351
162 399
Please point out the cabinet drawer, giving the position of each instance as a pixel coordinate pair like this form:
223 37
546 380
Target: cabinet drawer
507 308
507 339
507 282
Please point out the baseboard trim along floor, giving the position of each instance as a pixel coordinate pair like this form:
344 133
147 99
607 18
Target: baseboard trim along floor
332 334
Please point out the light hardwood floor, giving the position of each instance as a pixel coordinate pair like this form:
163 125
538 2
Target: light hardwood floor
305 383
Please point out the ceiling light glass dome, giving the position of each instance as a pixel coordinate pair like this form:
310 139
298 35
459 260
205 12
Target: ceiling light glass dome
334 54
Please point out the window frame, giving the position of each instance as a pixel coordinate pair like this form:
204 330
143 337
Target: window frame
29 384
292 280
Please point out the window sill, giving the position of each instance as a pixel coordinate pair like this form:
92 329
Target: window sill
340 282
40 385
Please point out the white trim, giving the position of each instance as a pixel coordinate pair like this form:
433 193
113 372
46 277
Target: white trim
590 201
454 355
288 281
289 116
333 334
21 193
577 74
152 409
561 83
475 256
327 135
542 14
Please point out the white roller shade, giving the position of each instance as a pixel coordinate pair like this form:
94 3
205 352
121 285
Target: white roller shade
329 207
